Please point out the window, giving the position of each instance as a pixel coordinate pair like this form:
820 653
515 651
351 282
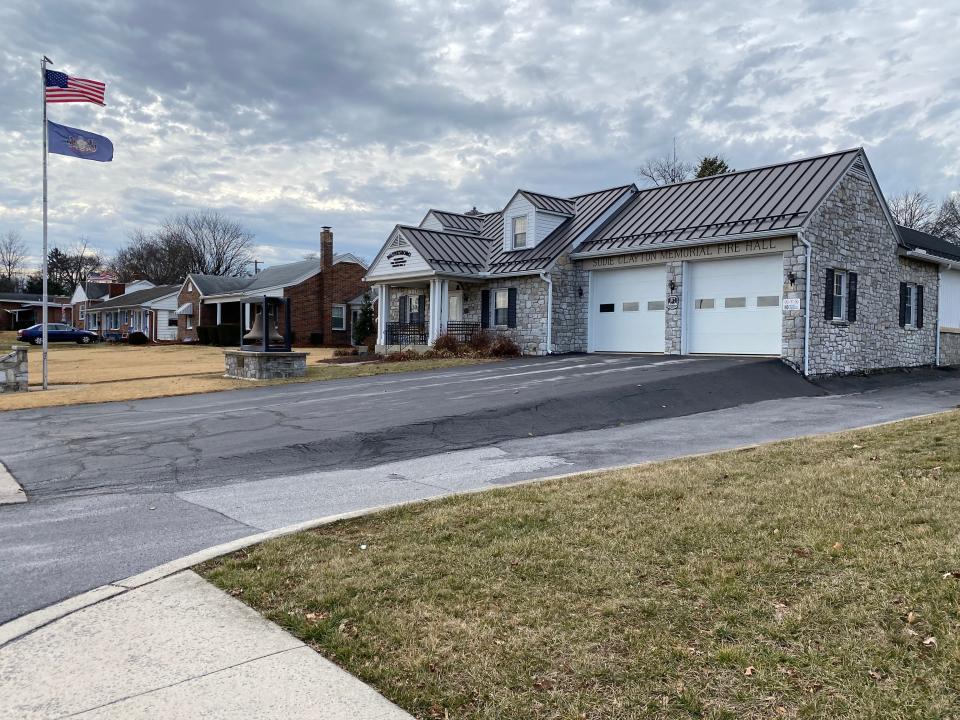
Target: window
768 301
633 306
655 305
839 295
735 302
171 321
124 317
339 315
501 305
519 232
83 314
189 322
912 301
94 321
704 304
607 307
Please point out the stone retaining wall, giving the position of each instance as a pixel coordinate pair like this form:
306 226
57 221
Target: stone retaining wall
14 371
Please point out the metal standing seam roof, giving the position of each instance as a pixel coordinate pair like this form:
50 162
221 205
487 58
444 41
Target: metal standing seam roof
447 251
550 203
770 198
459 222
587 208
467 254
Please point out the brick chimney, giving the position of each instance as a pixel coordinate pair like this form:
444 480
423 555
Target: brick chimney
326 248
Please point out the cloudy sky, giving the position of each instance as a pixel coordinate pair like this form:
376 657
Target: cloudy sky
293 114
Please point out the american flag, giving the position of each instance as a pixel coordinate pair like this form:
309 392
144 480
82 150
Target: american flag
62 88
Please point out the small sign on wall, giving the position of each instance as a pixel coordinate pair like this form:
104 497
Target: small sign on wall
673 301
791 303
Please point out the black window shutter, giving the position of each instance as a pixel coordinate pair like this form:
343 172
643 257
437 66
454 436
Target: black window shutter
421 309
828 296
403 308
851 296
512 308
485 309
919 306
903 304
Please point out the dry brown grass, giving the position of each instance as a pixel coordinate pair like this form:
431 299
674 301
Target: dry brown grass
816 578
104 372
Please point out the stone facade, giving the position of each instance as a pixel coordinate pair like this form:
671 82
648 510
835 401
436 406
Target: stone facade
571 303
530 334
673 312
949 347
14 370
264 366
850 231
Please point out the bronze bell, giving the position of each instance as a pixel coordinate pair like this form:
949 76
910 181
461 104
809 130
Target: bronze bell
255 336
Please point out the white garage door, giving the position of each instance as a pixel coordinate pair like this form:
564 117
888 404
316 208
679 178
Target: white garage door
733 306
626 309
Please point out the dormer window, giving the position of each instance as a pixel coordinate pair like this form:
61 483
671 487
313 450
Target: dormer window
519 232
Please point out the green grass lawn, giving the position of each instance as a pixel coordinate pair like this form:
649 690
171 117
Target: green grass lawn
808 579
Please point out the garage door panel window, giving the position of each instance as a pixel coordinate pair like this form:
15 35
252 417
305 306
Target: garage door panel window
704 304
735 302
631 307
607 307
655 305
768 301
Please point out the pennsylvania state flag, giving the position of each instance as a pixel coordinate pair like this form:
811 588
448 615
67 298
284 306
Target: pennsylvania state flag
85 145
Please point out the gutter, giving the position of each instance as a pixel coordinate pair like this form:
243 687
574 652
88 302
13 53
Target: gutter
549 281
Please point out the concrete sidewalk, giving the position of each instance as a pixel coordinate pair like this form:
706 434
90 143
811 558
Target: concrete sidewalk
176 648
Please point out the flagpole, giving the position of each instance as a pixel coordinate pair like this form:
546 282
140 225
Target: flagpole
43 101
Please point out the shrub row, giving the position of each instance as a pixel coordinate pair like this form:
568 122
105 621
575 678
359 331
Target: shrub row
480 345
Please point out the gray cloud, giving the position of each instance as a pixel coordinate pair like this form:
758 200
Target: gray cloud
295 114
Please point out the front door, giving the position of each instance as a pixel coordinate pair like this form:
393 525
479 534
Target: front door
455 307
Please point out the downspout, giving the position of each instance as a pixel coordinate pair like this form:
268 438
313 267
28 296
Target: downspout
806 306
939 291
549 281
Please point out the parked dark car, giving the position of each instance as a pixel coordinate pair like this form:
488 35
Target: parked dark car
56 332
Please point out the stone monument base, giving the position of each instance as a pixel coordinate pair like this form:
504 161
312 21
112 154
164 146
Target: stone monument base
247 365
13 370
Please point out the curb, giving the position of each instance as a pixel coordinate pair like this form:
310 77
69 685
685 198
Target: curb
26 624
10 490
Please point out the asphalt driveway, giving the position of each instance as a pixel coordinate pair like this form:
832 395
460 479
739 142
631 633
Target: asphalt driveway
118 488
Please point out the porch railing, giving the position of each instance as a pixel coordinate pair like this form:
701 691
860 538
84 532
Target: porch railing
463 331
399 333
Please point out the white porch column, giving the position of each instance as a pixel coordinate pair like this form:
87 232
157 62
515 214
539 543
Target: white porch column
383 313
246 317
434 311
219 310
443 311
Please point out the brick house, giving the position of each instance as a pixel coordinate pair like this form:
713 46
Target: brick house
96 289
799 260
320 293
20 310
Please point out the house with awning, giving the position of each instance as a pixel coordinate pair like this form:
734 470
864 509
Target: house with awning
320 291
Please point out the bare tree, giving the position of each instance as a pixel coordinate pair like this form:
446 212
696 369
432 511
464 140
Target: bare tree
912 209
665 170
220 246
203 242
946 224
13 256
